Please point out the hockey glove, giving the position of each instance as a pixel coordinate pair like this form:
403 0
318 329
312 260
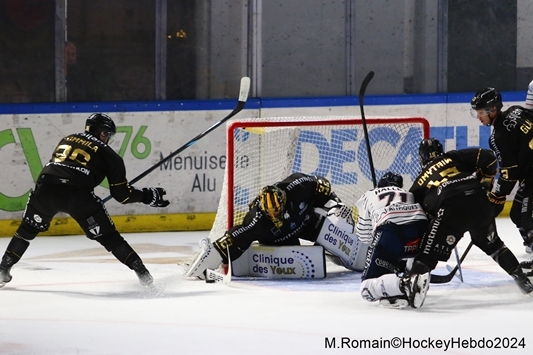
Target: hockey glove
153 196
498 202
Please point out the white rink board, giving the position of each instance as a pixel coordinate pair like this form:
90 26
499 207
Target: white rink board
27 141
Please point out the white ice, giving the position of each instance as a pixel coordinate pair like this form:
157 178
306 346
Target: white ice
69 296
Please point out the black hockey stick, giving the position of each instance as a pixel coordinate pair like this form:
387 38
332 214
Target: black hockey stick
367 79
442 279
243 96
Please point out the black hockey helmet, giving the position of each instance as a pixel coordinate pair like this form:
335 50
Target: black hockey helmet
391 179
272 201
100 123
429 149
486 98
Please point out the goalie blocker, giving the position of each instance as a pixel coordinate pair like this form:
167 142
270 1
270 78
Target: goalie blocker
307 261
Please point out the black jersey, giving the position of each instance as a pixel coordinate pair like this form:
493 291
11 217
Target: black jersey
304 193
455 172
83 160
512 141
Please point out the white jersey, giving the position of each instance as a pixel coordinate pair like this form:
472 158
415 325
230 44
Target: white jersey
382 205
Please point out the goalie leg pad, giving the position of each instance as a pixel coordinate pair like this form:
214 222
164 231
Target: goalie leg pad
207 258
281 262
337 237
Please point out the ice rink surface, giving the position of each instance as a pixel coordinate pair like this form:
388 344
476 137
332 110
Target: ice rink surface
69 296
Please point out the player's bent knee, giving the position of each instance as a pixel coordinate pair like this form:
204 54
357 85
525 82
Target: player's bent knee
430 262
28 231
110 241
489 248
97 225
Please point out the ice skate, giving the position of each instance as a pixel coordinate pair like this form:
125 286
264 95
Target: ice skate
145 279
527 266
395 302
416 285
207 258
5 276
522 281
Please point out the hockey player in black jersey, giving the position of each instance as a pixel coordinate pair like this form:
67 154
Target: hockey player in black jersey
281 214
452 189
511 140
79 163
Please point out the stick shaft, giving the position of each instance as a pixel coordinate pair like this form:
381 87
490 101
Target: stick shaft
364 85
243 96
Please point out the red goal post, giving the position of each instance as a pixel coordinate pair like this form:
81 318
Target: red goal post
261 151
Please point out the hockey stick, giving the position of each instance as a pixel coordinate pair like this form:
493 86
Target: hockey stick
364 85
442 279
243 96
459 270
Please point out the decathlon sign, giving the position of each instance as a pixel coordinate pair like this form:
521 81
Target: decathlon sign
404 162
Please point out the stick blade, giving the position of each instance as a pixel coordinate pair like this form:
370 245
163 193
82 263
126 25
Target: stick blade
245 88
458 274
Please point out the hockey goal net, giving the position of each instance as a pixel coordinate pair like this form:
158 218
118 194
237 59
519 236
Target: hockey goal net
262 151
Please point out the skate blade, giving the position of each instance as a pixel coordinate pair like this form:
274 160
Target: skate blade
398 303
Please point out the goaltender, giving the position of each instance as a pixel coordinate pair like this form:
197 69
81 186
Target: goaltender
281 214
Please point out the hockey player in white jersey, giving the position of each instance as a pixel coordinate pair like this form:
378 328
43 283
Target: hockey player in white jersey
393 224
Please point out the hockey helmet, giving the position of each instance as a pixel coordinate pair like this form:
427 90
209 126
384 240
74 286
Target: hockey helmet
429 149
100 123
391 179
485 99
272 201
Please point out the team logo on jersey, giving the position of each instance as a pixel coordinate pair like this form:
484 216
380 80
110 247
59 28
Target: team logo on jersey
37 218
303 207
511 120
450 239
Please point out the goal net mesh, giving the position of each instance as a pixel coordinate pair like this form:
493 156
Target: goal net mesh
262 151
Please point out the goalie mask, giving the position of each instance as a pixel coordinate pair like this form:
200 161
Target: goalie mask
391 179
272 202
100 124
429 149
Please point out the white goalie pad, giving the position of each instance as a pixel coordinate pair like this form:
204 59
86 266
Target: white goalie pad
281 262
337 237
